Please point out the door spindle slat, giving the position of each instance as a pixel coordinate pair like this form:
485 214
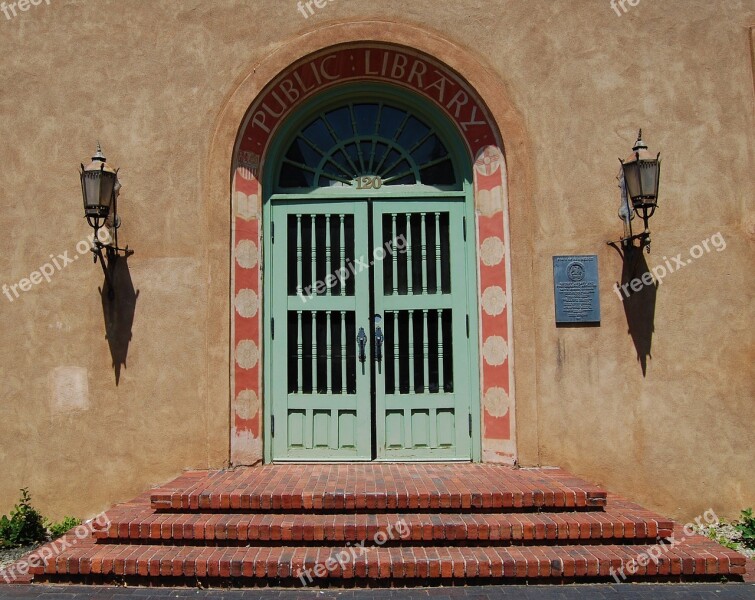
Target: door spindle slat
423 242
342 242
396 352
343 353
426 353
438 283
314 353
441 382
328 256
409 274
328 354
299 354
395 254
314 258
411 352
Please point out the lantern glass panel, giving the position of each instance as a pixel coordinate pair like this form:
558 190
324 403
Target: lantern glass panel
91 189
632 179
649 178
107 182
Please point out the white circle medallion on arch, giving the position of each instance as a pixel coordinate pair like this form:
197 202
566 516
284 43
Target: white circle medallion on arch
247 303
494 300
247 254
492 251
247 354
495 350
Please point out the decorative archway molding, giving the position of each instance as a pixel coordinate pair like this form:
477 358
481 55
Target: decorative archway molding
420 60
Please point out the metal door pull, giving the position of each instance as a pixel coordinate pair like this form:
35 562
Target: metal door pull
362 341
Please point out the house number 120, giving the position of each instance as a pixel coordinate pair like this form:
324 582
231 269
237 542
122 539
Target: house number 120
369 183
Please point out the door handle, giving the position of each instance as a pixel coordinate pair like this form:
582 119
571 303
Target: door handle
362 342
377 320
378 344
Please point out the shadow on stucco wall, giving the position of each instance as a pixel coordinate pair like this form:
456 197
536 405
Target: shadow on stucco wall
118 313
639 302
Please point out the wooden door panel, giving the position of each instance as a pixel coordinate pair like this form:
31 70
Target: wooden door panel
422 385
321 391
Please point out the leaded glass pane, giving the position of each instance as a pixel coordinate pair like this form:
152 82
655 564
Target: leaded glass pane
366 139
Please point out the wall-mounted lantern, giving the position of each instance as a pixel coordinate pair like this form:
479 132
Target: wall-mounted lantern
100 188
639 179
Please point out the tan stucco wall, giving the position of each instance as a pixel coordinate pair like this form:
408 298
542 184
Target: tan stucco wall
577 81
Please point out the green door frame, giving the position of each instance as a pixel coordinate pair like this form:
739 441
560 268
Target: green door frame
463 163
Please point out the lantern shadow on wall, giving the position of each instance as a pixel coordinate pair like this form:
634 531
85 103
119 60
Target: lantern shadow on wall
118 307
639 306
639 179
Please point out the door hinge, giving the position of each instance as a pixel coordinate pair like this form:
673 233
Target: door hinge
272 233
470 424
272 425
467 326
464 226
272 328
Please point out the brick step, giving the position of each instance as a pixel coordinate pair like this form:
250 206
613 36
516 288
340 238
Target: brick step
376 487
149 526
150 542
292 563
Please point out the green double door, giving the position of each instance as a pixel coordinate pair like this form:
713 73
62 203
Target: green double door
369 330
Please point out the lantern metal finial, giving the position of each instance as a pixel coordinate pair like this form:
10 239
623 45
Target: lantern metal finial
639 144
99 155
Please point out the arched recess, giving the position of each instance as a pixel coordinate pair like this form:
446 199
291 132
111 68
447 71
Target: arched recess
292 75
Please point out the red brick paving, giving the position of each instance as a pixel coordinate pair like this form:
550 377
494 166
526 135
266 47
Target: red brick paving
462 522
749 575
378 487
284 562
617 522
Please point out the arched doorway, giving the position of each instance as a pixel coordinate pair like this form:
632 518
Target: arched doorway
370 282
276 112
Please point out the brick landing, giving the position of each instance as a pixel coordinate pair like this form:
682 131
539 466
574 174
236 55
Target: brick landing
660 591
382 525
377 487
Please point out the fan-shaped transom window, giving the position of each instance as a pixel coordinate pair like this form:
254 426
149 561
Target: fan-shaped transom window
366 144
